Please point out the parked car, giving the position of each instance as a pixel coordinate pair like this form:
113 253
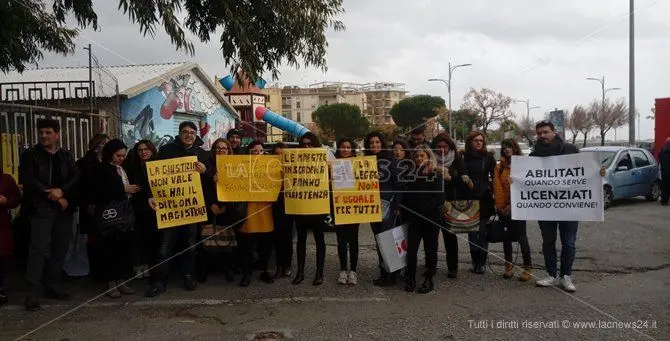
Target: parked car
631 172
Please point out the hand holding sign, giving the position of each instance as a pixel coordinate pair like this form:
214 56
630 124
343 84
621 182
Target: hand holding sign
200 167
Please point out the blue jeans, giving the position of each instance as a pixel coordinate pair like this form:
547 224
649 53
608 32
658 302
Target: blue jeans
568 233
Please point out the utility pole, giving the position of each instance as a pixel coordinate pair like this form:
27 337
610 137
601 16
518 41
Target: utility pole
447 82
604 93
631 77
90 79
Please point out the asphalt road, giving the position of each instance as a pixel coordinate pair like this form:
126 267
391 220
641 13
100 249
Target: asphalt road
622 274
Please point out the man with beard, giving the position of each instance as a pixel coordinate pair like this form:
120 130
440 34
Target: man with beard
417 137
234 136
550 144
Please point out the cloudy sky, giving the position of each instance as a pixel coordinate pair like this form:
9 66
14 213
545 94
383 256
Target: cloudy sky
537 49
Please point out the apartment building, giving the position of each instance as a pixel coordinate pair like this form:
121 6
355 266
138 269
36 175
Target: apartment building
374 99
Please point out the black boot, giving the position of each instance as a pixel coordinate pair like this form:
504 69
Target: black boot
480 268
383 278
318 279
474 255
245 281
267 278
300 275
410 284
31 304
427 285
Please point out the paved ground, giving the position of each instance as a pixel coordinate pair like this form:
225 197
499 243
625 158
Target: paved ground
622 273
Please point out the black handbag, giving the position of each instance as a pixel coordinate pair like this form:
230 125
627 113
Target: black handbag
115 217
497 228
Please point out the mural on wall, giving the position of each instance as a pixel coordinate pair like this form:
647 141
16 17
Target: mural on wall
151 114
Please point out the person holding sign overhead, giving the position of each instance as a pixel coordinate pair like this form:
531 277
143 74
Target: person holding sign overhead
314 222
421 203
186 144
347 234
256 230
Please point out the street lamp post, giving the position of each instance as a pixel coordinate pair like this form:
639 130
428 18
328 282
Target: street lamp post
604 92
447 82
528 107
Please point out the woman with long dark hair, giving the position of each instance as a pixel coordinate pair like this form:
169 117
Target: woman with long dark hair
503 201
448 158
228 215
480 167
112 184
283 227
375 145
347 235
145 233
314 222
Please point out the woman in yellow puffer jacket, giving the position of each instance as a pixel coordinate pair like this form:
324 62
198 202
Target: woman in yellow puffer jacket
501 192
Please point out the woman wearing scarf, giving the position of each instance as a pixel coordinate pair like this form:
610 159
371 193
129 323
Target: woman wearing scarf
479 166
501 190
112 184
448 158
145 233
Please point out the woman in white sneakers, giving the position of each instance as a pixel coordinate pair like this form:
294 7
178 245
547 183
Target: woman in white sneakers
347 235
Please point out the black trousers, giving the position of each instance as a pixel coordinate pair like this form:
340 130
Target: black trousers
314 223
347 235
186 236
517 227
145 238
429 233
50 234
262 242
378 228
450 249
117 258
283 239
665 190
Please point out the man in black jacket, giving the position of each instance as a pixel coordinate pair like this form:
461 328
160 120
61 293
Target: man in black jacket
187 144
664 159
550 144
48 175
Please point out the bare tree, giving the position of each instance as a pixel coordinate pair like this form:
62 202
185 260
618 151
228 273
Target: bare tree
608 115
527 129
490 106
570 125
580 122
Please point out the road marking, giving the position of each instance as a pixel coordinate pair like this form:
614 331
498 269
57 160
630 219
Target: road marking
214 302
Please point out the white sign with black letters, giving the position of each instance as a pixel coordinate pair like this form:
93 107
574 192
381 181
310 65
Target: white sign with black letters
557 188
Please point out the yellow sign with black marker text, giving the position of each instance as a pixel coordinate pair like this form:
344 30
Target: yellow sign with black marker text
245 178
176 187
306 181
356 196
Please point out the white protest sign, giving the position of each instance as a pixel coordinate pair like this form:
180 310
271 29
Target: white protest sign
557 188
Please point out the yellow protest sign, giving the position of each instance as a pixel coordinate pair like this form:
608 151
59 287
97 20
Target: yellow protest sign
248 178
306 181
176 187
356 190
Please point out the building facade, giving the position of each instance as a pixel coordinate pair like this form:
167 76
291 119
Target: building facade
374 99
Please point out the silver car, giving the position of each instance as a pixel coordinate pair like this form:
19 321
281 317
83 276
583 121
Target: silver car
631 172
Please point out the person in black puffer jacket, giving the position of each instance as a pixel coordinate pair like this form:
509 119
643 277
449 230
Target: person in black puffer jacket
479 166
422 210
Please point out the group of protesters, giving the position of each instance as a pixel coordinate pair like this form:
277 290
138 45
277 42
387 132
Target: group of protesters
419 181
